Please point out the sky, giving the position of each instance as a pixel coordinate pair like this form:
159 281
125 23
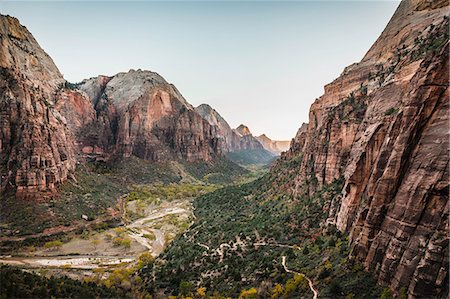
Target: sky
258 63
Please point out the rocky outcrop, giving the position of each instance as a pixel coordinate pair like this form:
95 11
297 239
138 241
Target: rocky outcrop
48 124
382 127
274 146
36 148
224 130
246 140
238 139
138 113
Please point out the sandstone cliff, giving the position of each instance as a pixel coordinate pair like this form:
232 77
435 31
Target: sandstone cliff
36 148
273 146
48 124
235 139
138 113
382 127
239 144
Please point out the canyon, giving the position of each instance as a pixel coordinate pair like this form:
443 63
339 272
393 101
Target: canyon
356 202
49 125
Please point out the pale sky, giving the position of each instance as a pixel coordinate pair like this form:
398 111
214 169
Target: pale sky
257 63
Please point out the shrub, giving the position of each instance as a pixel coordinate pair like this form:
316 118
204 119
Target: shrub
122 241
53 244
305 250
249 294
391 111
201 292
335 288
277 291
186 288
386 294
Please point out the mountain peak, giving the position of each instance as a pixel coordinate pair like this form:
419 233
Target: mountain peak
243 130
21 53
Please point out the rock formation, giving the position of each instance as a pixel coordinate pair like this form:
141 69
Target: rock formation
239 144
273 146
49 124
140 114
235 139
36 148
246 139
382 126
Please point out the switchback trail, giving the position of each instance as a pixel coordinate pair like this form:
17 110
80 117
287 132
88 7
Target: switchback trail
311 285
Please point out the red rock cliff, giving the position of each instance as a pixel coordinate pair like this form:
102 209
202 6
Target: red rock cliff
382 126
36 151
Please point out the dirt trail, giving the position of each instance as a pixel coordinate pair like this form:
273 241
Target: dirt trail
311 285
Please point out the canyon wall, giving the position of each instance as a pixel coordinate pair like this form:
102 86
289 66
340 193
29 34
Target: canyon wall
382 128
239 139
36 148
48 124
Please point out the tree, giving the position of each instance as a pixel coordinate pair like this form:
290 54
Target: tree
386 294
277 291
186 288
248 294
305 250
95 243
201 292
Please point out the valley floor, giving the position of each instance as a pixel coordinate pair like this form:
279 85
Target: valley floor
148 227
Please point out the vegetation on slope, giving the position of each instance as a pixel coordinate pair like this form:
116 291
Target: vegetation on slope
252 156
16 283
221 171
237 242
96 187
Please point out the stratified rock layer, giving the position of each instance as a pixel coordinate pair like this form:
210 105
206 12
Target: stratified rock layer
138 113
36 148
382 126
48 124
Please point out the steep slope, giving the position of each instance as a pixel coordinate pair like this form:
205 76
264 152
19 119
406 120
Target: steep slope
103 133
249 150
246 139
48 124
138 113
274 146
241 146
235 139
382 126
36 148
231 140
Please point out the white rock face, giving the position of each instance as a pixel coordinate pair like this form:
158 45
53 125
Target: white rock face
29 58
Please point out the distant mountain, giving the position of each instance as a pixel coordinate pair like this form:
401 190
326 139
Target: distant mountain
274 146
139 113
241 146
49 125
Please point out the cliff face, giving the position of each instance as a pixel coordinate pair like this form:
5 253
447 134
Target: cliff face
36 148
48 124
245 139
224 130
382 127
140 114
238 139
273 146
